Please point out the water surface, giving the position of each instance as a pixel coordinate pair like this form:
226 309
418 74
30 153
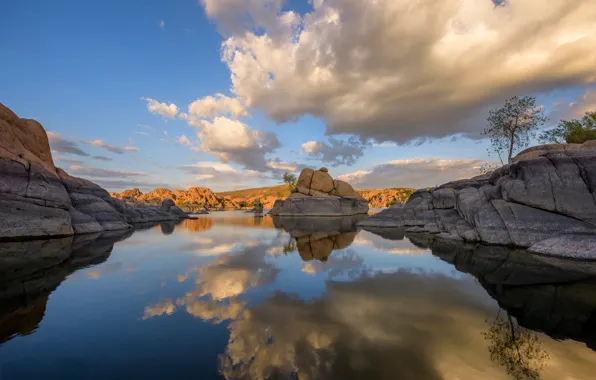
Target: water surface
235 296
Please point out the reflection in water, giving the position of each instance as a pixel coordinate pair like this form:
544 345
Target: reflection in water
23 296
516 348
231 296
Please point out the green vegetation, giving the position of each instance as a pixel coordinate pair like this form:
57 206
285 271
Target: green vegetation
289 179
511 127
572 132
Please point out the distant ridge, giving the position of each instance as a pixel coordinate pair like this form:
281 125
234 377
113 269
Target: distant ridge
204 197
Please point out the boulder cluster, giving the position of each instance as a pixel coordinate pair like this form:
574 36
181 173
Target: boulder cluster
545 201
318 194
38 200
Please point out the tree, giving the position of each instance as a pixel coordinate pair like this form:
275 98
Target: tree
511 127
290 179
573 132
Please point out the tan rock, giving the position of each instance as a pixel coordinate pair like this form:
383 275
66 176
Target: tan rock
305 178
324 170
343 189
322 181
317 193
302 189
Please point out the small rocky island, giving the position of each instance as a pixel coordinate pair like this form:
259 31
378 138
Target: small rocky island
545 201
318 194
39 200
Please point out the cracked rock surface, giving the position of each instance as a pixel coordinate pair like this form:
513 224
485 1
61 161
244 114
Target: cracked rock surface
545 201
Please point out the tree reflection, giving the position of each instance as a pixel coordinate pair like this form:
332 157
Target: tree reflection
516 348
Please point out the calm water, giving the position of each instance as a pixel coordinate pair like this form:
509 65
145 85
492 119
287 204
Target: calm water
233 296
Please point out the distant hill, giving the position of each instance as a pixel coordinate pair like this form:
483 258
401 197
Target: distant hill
200 197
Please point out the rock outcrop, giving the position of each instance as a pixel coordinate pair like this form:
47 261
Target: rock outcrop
194 198
38 200
318 194
545 201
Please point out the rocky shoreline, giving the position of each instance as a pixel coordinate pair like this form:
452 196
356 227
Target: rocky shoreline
39 200
545 201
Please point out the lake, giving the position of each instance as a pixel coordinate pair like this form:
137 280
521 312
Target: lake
232 295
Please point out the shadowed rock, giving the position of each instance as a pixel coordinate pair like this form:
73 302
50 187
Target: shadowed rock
543 201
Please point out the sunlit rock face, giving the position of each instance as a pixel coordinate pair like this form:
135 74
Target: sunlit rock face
543 201
318 194
38 200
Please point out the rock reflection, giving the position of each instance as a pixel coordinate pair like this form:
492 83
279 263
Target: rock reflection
26 281
547 294
317 238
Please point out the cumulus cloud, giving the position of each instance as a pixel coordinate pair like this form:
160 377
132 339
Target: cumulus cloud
99 172
164 109
233 141
58 144
184 140
418 173
112 148
277 165
335 152
221 176
397 70
212 106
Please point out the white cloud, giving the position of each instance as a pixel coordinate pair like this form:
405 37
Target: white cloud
99 172
184 140
400 70
278 165
336 152
220 176
212 106
418 173
131 149
148 127
162 24
164 109
142 133
233 141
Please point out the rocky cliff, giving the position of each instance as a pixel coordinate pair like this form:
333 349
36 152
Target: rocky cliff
545 201
38 200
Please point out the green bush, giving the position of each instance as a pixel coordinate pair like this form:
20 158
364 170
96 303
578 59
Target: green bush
572 132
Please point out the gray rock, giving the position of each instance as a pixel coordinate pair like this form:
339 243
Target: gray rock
167 204
320 206
23 219
527 226
83 223
582 247
443 198
99 210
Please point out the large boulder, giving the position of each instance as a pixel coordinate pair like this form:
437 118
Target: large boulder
544 200
37 200
318 194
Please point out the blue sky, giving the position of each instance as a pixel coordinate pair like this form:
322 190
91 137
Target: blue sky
397 115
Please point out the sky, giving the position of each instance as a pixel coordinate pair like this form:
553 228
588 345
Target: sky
230 94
